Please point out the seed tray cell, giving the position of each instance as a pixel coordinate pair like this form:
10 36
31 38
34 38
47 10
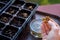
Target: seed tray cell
5 18
12 10
18 22
18 3
3 38
1 5
1 26
23 13
9 31
29 6
4 1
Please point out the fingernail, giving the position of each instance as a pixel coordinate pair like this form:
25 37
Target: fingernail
43 39
59 32
43 34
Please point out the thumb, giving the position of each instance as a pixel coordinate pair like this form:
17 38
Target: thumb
53 24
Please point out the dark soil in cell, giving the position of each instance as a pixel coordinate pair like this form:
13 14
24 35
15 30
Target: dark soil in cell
3 38
17 22
18 3
23 13
1 5
1 26
29 6
10 31
12 10
5 18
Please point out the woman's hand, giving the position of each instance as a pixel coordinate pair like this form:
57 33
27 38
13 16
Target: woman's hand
50 30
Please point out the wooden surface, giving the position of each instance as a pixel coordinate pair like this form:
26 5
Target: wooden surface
25 35
53 9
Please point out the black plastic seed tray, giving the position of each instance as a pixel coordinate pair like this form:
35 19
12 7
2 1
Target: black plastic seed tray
14 18
4 4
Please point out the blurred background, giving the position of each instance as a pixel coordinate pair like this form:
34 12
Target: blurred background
45 2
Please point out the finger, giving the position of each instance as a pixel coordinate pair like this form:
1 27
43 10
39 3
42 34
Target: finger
46 28
43 31
59 32
43 28
45 37
53 25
